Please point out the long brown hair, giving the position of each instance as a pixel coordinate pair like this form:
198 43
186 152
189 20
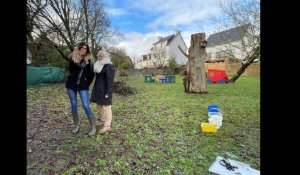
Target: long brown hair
76 57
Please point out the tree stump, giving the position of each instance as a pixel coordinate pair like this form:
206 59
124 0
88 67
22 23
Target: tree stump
196 70
197 59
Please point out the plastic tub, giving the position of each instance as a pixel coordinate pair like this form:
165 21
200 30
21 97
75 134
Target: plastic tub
209 127
213 108
215 114
217 121
215 117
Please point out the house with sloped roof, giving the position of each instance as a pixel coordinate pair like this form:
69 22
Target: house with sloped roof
226 44
162 51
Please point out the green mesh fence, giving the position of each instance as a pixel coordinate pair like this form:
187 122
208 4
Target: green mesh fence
44 75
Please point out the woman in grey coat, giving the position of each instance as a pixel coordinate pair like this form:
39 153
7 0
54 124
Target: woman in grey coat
103 89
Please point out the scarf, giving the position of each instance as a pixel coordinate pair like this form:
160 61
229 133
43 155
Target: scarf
99 64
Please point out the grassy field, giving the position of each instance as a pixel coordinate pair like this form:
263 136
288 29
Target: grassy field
155 131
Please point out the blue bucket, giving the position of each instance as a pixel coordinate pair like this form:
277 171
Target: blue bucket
213 108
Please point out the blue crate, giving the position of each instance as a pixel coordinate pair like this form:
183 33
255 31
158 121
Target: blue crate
162 80
170 78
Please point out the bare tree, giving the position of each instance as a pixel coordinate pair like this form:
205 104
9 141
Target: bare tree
159 59
118 56
244 14
66 22
96 34
33 8
135 60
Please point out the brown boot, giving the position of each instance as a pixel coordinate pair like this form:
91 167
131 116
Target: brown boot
101 119
92 120
106 114
100 122
76 122
104 129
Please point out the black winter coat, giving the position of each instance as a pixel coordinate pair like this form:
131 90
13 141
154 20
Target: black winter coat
103 86
81 75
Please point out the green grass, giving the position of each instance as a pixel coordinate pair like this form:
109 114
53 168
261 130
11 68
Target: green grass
157 130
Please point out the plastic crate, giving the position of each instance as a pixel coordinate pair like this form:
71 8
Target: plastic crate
162 80
209 127
149 79
170 78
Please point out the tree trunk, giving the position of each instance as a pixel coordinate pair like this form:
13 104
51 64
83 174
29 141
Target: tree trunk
197 57
239 73
249 61
34 56
87 30
31 47
35 48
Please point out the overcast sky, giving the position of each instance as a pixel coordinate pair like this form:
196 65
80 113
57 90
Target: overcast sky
142 21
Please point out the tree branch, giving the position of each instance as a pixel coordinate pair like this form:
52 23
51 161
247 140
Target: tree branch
181 50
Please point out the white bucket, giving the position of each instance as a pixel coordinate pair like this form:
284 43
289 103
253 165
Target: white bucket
215 117
215 114
217 121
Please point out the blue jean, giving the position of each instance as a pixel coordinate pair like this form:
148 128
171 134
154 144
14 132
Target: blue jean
84 96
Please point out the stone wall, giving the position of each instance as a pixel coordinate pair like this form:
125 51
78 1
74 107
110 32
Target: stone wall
145 71
252 70
232 68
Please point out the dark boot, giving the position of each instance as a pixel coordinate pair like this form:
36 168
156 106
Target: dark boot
92 120
76 123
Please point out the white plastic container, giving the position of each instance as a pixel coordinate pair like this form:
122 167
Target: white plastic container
215 117
217 121
215 114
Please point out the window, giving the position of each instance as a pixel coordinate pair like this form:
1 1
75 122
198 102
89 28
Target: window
144 57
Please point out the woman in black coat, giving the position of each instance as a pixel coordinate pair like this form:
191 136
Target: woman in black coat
103 89
79 80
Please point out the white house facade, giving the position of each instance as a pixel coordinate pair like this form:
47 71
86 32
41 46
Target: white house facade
229 42
144 62
165 49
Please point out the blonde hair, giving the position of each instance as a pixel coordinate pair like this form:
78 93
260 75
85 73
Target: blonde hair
76 57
